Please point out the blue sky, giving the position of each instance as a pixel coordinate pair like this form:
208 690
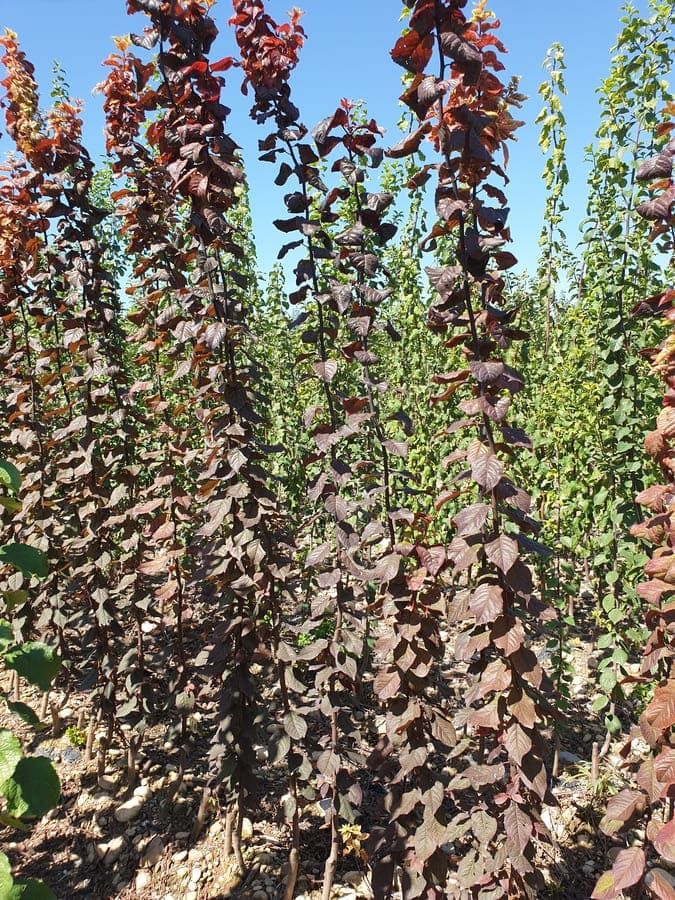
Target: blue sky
347 55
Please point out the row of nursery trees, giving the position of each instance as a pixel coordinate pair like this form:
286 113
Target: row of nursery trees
311 484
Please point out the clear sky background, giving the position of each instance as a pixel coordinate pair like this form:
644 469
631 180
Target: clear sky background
347 55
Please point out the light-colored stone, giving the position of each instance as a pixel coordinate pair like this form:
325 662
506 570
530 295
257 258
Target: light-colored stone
180 856
246 829
196 875
360 884
84 800
559 819
108 783
143 792
111 851
129 810
153 852
579 686
143 880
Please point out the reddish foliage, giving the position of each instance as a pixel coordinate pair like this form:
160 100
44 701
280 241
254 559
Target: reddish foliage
466 111
656 773
458 816
63 311
269 52
349 288
21 97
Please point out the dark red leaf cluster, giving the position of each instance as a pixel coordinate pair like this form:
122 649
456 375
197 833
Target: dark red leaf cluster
374 541
466 111
240 548
269 53
66 380
168 520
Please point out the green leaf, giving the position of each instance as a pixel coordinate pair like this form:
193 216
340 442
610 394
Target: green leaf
613 724
6 880
35 662
6 635
31 889
33 789
600 703
27 559
10 754
11 822
615 616
10 504
9 475
15 598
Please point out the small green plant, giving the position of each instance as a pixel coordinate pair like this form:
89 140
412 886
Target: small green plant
325 630
607 781
76 736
